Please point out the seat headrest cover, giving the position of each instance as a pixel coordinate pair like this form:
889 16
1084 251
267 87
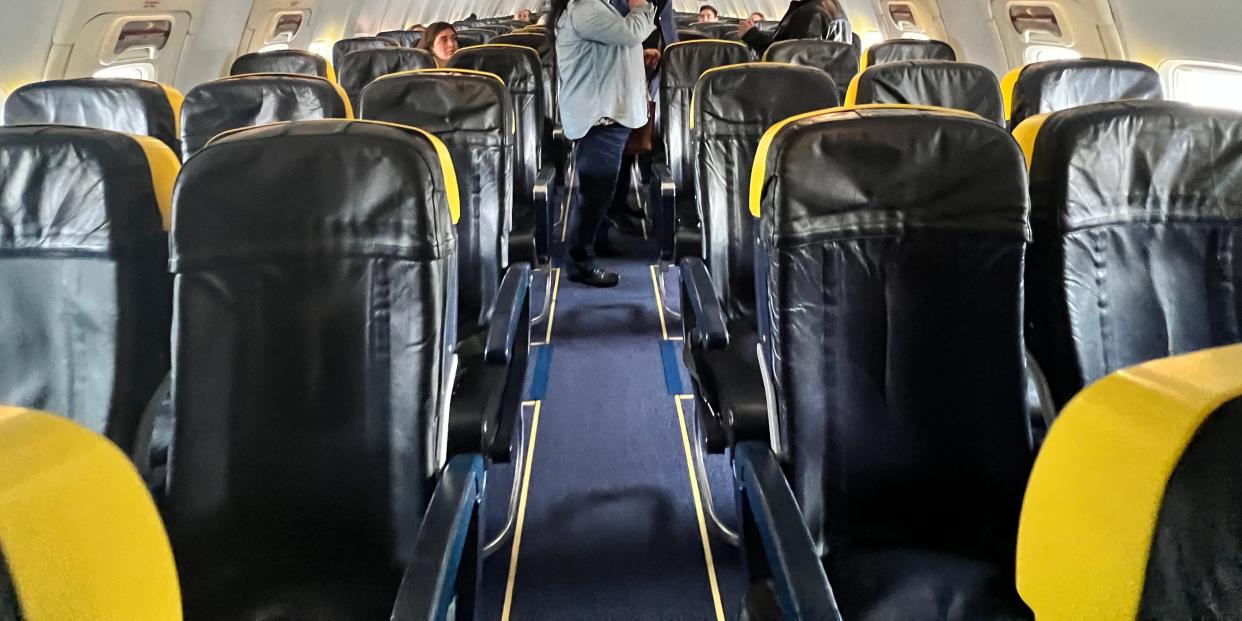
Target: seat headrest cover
1137 161
360 68
940 83
281 61
886 169
130 106
404 38
518 66
684 62
535 41
906 49
345 46
76 190
726 97
1057 85
445 100
840 60
316 188
250 100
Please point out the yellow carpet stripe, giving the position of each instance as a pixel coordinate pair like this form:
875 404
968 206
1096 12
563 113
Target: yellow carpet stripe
698 509
521 516
655 284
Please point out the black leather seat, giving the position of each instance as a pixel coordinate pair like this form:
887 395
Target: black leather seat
1135 213
839 60
404 38
1055 85
354 44
541 43
471 112
358 69
313 366
941 83
216 107
889 284
130 106
906 49
298 62
85 296
679 231
690 34
519 67
468 37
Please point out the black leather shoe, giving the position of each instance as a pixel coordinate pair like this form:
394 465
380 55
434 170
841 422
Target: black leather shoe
595 277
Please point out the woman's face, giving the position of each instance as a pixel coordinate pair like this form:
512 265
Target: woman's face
445 44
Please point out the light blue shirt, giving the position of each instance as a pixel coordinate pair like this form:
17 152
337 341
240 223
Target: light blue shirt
599 55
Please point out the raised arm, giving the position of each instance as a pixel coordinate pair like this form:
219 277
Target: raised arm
596 21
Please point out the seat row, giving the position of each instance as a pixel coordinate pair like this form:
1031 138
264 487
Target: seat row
857 334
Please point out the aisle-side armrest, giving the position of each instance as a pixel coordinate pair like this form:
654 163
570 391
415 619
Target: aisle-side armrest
705 323
544 201
664 201
775 540
428 586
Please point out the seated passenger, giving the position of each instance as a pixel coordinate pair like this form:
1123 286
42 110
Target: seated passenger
756 17
708 14
805 19
418 28
440 39
523 15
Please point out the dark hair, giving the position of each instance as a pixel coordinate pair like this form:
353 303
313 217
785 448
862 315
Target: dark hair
429 35
708 7
554 16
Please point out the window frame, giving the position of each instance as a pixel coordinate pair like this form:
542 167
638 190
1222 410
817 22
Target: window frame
1169 69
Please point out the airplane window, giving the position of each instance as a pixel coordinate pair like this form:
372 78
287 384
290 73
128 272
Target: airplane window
1202 83
902 15
143 34
133 71
1040 53
1030 19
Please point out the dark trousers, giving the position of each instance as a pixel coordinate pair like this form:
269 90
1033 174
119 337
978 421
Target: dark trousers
599 164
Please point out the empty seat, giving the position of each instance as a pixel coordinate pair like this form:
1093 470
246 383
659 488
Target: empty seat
682 65
404 38
689 34
941 83
358 69
890 328
1132 510
314 359
1135 215
471 112
131 106
520 69
216 107
80 537
718 30
1051 86
541 43
733 107
906 49
283 61
345 46
467 37
838 60
85 296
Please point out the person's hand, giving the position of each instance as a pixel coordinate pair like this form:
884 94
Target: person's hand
744 27
651 58
635 4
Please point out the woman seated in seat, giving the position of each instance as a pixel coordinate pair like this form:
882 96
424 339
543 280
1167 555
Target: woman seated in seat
440 39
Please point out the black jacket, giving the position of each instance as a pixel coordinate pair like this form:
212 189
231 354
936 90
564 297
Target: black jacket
805 19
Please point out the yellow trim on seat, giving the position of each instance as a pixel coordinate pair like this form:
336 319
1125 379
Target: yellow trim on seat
694 93
1026 133
760 167
164 166
865 61
1095 492
80 534
851 93
349 106
696 41
1008 84
175 99
331 71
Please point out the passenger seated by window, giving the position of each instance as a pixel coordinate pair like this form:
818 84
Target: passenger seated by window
440 39
805 19
418 28
756 17
523 15
708 14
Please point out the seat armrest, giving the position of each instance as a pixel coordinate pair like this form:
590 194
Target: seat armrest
488 396
543 200
705 326
664 199
775 540
430 580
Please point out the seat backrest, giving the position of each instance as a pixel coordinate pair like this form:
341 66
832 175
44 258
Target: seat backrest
358 69
906 49
542 44
1136 213
733 107
682 65
717 31
470 111
839 60
85 296
80 537
283 61
468 37
214 108
354 44
690 34
404 38
1055 85
118 104
940 83
312 353
1152 531
890 288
